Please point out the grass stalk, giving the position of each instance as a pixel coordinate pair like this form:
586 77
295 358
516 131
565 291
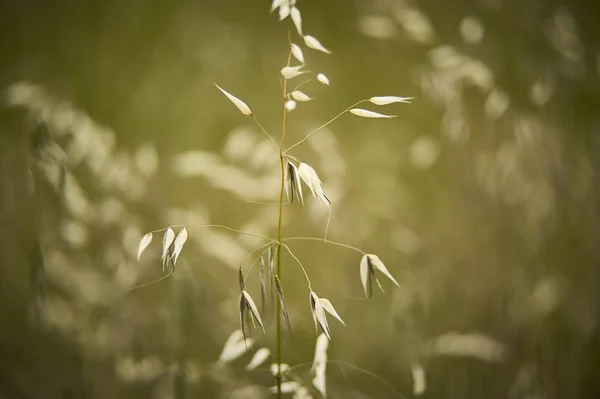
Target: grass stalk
279 351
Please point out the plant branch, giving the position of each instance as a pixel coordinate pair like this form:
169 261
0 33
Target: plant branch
301 267
339 244
264 131
324 125
220 226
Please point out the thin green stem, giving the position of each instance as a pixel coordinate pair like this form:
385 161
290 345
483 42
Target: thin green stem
220 226
135 287
301 266
302 84
264 131
356 368
324 125
339 244
328 220
291 157
279 355
267 203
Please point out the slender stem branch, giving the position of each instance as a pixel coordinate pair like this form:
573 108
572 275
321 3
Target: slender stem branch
169 259
267 203
339 244
328 221
302 84
279 354
324 125
291 157
264 131
350 366
135 287
219 226
301 266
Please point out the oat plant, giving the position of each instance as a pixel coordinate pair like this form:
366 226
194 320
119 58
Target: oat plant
294 174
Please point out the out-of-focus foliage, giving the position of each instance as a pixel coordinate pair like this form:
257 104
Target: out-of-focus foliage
481 198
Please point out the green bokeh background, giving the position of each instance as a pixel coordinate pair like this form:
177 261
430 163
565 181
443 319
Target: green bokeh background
481 197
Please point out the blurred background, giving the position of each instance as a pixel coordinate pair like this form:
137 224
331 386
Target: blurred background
481 197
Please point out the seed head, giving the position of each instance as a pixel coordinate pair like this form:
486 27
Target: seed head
369 114
144 242
323 79
318 306
385 100
313 43
297 53
178 244
244 109
368 265
311 179
300 96
290 105
296 19
292 183
290 72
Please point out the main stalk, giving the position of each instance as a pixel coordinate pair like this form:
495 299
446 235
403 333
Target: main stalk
279 355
